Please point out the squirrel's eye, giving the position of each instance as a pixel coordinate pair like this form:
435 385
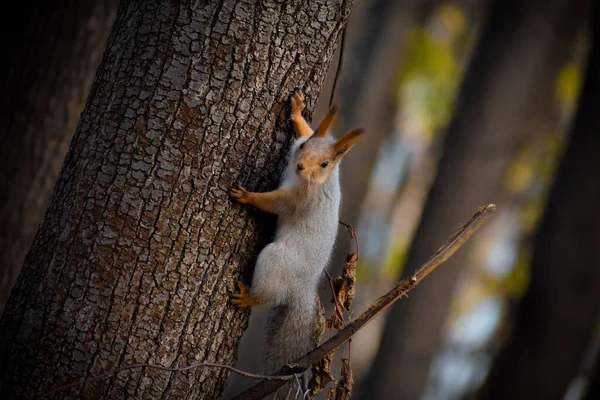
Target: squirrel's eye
325 164
302 145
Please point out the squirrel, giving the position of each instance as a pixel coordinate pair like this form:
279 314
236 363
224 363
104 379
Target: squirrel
307 204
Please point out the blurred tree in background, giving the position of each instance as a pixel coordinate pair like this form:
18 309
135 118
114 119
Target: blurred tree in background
367 93
509 83
558 315
423 91
50 55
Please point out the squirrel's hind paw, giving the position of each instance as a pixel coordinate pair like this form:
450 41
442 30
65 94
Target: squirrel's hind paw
244 299
238 301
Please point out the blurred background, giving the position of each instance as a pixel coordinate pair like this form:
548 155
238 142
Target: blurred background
465 103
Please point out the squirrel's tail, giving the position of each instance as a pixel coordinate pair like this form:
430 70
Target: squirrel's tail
290 332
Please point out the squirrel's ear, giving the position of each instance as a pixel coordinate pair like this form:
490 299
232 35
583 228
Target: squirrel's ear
343 146
325 125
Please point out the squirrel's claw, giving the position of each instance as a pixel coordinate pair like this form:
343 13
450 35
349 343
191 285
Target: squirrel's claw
242 299
240 195
239 302
297 101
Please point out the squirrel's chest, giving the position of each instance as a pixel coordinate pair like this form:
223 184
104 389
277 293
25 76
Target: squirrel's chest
314 220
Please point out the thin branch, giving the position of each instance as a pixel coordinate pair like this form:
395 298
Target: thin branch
457 240
163 368
339 67
353 235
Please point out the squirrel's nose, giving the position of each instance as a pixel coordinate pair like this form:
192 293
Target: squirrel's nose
301 167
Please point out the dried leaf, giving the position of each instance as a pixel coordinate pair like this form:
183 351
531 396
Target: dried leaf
331 393
343 387
345 285
321 375
349 275
335 321
344 288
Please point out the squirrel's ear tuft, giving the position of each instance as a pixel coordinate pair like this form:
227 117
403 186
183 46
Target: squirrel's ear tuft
343 146
325 125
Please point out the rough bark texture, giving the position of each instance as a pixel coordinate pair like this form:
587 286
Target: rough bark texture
140 247
558 315
508 85
50 55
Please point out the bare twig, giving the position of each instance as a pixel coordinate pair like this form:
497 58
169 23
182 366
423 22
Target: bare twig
353 235
282 378
457 240
339 67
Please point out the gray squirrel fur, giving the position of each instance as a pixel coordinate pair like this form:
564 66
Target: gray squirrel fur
289 269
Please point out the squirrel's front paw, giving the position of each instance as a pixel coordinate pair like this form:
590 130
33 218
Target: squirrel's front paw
297 101
240 195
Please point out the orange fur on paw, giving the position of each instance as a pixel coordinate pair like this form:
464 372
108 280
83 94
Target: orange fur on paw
244 299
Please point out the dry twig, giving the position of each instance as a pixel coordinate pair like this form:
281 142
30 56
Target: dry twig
339 67
264 388
353 235
282 378
270 383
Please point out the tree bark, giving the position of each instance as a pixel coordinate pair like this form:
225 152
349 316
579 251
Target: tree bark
558 315
140 247
508 86
50 58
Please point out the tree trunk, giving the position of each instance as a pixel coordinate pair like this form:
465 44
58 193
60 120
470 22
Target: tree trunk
558 315
509 84
50 58
140 246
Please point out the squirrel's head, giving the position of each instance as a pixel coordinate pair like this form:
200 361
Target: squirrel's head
316 158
